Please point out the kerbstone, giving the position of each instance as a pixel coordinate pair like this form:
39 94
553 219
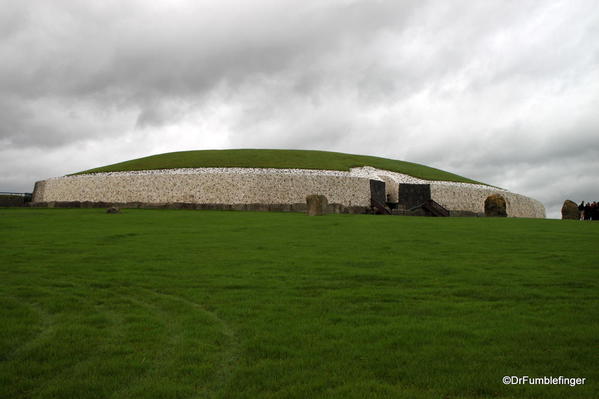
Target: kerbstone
317 205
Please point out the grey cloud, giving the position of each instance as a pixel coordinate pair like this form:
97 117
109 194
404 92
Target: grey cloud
80 51
25 126
55 122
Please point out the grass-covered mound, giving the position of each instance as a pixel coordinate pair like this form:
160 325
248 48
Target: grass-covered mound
281 159
200 304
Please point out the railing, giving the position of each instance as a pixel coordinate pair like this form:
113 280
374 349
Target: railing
379 207
26 196
434 208
430 208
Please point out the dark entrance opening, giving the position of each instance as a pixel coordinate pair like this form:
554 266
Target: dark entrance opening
411 195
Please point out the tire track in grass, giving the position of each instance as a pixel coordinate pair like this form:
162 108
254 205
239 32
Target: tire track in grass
84 376
159 358
125 356
169 374
16 380
115 366
100 350
120 316
45 366
45 328
101 359
229 357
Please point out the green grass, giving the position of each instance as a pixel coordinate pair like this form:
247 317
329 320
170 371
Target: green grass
200 304
285 159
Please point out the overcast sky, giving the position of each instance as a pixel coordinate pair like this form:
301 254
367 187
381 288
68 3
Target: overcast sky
505 92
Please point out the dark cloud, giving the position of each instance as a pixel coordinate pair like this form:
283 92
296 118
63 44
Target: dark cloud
502 92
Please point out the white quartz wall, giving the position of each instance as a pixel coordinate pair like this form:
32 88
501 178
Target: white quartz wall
456 196
466 197
267 186
207 188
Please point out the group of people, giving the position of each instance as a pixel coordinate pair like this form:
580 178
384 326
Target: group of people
589 211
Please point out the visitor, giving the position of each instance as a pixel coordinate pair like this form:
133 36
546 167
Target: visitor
587 211
594 211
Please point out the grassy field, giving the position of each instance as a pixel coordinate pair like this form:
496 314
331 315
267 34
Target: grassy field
207 304
285 159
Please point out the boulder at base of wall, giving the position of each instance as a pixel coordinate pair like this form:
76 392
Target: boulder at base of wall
570 210
495 206
317 205
113 209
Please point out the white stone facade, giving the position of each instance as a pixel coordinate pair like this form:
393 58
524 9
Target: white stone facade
456 196
266 186
472 199
207 188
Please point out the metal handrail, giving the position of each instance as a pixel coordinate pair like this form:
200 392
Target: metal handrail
27 197
20 194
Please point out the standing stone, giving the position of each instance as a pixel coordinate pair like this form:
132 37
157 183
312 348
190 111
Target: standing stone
570 210
113 209
495 206
317 205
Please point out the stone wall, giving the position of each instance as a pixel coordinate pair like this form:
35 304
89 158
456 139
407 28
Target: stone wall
469 198
222 187
204 188
39 191
460 199
298 207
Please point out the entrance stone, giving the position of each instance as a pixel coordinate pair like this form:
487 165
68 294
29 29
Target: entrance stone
317 205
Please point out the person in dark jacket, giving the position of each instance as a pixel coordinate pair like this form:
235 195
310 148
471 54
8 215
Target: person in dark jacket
587 211
581 209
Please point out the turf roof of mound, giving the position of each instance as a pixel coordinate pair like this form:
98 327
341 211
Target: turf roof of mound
280 159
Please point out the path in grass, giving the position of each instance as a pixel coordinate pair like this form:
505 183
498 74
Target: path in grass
177 304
